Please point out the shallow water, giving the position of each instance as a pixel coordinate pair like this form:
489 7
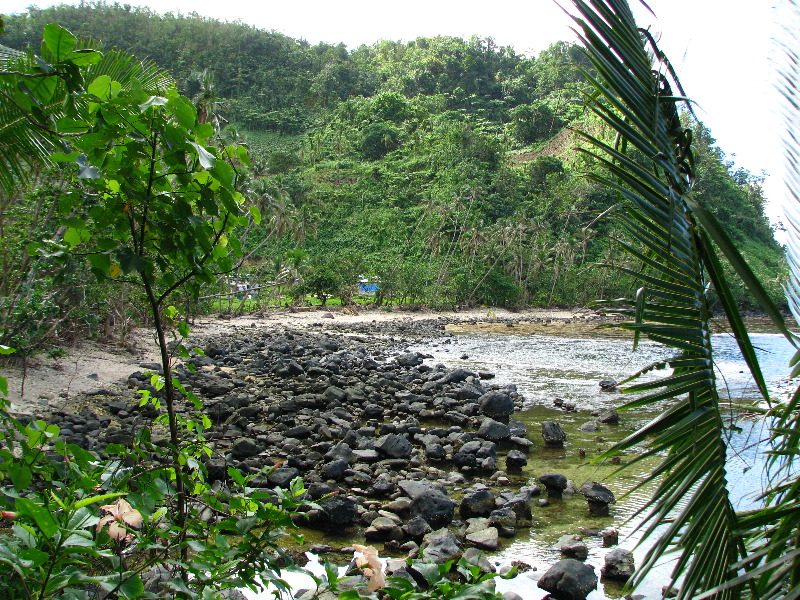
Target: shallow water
568 364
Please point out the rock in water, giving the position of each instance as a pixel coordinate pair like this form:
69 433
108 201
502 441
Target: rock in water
569 579
553 435
496 404
619 565
436 508
555 483
598 496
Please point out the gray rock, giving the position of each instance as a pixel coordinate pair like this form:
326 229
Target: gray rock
338 511
610 417
479 503
598 496
441 546
413 488
589 426
515 460
555 483
608 385
283 476
619 565
416 528
487 539
494 430
553 435
572 546
610 537
410 359
476 558
457 376
383 529
569 579
245 448
433 506
394 446
496 404
335 469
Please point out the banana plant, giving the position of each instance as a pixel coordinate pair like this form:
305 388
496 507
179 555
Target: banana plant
679 246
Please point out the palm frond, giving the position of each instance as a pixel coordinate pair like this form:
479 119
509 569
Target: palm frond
28 117
652 169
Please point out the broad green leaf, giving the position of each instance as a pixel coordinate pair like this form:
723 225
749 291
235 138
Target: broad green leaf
40 515
101 262
74 237
21 475
104 87
9 350
85 57
152 101
207 160
58 41
132 587
184 111
35 556
256 214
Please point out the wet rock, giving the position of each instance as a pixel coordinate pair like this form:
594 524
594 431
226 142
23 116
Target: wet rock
413 488
610 417
479 503
441 546
553 435
338 511
433 506
555 483
417 528
282 476
410 359
515 460
476 558
589 426
505 520
494 430
496 404
335 469
610 537
608 385
619 565
598 496
572 546
487 539
457 376
569 579
383 529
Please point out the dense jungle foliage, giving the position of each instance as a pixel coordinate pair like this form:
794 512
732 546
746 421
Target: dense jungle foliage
442 169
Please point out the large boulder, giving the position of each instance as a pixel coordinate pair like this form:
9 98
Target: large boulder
433 506
553 435
496 404
619 565
569 579
441 546
394 446
338 511
479 503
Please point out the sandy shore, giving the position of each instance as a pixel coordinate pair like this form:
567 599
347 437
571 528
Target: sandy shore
92 366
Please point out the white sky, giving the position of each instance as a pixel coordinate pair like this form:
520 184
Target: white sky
721 48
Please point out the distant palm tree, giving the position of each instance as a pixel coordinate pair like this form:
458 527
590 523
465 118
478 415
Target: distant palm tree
720 553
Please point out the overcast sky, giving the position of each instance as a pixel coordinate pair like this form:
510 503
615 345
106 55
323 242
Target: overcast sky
721 48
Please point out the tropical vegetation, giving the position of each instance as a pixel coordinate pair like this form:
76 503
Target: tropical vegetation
441 168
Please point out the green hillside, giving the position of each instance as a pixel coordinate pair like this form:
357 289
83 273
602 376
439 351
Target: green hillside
443 168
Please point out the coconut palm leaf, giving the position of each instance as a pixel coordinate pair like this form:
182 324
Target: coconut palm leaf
36 91
651 167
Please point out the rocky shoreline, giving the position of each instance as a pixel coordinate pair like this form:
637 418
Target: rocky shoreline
422 459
